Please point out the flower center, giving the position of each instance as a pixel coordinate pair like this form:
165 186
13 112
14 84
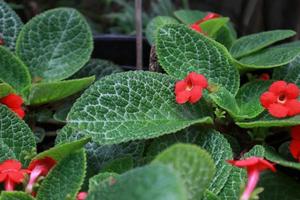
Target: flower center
281 99
189 86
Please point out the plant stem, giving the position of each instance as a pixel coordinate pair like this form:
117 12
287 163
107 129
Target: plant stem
139 34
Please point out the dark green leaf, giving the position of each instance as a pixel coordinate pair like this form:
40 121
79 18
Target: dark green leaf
289 72
15 196
119 165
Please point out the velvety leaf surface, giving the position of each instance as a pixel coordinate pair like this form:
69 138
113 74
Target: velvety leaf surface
41 93
133 105
10 25
5 89
119 165
189 16
98 68
289 72
155 24
255 42
181 50
194 165
226 36
212 26
271 57
64 181
151 182
278 186
96 181
55 44
16 139
15 196
13 71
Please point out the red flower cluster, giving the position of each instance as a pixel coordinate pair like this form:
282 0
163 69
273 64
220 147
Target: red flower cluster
254 166
282 99
11 172
191 88
295 142
14 102
196 26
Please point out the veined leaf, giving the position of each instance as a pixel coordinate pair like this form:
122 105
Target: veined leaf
189 16
252 43
55 44
133 105
181 50
15 195
10 25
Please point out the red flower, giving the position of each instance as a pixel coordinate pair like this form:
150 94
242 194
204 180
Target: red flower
254 166
282 99
81 196
190 89
38 168
11 174
264 76
14 102
295 142
196 26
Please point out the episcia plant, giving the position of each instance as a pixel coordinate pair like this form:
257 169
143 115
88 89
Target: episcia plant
213 126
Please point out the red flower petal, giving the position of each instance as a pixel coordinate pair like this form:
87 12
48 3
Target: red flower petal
278 87
198 80
10 164
46 163
295 149
293 107
183 97
211 15
196 27
196 94
19 111
82 195
292 91
2 177
295 133
180 86
12 101
253 163
267 98
278 110
16 177
264 76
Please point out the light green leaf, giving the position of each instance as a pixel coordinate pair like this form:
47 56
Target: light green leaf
5 89
41 93
64 180
289 72
155 24
133 105
15 196
208 195
189 16
16 139
212 26
151 182
95 181
271 57
181 50
278 186
55 44
194 165
119 165
13 71
10 25
255 42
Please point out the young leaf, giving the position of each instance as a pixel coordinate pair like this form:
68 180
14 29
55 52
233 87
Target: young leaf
155 24
16 139
226 35
212 26
189 16
42 93
150 182
194 165
252 43
181 50
5 89
64 181
13 71
55 44
133 105
16 195
10 26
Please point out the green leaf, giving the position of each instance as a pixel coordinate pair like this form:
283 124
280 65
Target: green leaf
119 165
289 72
208 195
16 139
10 25
266 120
16 196
98 68
189 16
271 57
181 50
133 105
13 71
278 186
252 43
42 93
155 24
151 182
61 151
226 36
55 44
194 165
95 181
5 89
212 26
64 180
